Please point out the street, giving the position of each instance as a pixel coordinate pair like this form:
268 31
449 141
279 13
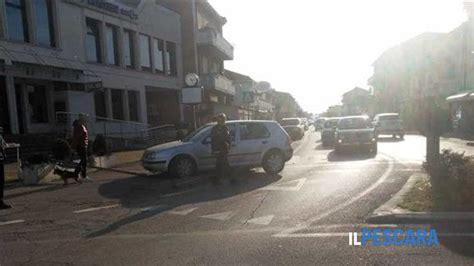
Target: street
301 216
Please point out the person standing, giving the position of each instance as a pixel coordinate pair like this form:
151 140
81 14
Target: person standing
3 145
220 144
80 141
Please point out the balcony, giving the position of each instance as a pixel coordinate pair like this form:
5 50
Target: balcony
211 39
217 82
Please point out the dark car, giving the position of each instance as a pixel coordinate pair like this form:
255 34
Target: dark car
356 132
388 124
294 127
329 131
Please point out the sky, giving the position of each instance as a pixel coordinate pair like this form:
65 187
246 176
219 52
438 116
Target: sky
319 49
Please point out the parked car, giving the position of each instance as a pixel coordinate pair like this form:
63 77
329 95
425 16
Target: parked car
329 131
356 132
254 144
388 124
294 127
305 123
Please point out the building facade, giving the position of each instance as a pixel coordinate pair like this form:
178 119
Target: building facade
204 52
114 60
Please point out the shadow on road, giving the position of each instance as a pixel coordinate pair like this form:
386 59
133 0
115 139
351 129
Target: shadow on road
460 245
144 192
323 148
348 156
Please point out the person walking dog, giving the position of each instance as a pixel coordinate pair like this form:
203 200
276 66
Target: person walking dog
80 141
3 145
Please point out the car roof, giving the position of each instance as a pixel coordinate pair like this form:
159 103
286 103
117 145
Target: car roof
244 121
354 116
332 118
387 114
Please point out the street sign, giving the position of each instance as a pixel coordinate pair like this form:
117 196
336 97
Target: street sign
191 95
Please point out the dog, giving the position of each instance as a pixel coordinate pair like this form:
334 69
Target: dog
65 175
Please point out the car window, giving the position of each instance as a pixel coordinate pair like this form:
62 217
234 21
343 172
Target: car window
253 131
197 134
232 129
331 123
354 123
290 122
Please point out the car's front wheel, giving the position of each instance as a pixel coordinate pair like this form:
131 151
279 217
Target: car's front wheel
273 162
373 150
182 166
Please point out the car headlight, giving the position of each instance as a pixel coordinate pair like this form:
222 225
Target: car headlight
158 154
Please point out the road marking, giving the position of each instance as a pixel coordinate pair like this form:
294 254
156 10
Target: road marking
182 212
97 208
264 220
284 186
222 216
12 222
306 224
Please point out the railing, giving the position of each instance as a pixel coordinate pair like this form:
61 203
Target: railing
210 36
218 82
119 134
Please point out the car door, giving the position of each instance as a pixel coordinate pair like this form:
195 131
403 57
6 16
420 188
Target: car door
254 141
206 160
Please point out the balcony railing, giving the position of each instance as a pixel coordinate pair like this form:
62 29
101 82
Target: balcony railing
210 37
217 82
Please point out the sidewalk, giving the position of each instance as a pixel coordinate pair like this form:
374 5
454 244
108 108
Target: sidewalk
125 161
391 213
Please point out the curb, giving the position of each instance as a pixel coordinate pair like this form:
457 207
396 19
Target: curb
390 213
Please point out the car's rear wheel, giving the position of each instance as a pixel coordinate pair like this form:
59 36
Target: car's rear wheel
182 166
273 162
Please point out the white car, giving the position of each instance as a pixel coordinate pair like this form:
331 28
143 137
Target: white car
254 144
294 127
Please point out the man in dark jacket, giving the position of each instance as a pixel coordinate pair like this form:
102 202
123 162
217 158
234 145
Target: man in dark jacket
3 145
80 141
220 144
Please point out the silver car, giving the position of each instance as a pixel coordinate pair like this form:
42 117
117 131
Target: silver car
254 144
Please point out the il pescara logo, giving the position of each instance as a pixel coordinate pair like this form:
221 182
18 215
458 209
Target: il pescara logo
394 237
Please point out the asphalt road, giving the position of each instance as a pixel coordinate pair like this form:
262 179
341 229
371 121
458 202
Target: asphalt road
302 216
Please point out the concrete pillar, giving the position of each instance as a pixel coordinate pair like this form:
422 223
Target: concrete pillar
108 103
136 50
12 108
103 46
3 24
126 106
142 104
120 47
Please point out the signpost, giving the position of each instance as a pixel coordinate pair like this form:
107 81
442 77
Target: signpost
192 94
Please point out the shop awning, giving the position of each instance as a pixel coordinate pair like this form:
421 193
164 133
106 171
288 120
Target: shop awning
461 97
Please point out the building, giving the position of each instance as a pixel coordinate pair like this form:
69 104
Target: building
357 102
204 52
285 105
116 60
253 100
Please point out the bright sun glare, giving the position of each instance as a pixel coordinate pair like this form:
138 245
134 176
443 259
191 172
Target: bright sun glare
317 50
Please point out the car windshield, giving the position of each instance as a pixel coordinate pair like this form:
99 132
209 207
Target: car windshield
197 134
290 122
354 123
389 117
331 123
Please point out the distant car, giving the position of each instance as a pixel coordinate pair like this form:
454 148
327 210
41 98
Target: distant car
254 144
294 127
356 132
329 131
319 123
388 124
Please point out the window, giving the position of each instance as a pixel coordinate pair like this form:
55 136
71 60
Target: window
37 103
93 41
133 103
171 59
128 52
145 60
44 27
159 55
100 105
16 20
253 131
111 43
117 104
